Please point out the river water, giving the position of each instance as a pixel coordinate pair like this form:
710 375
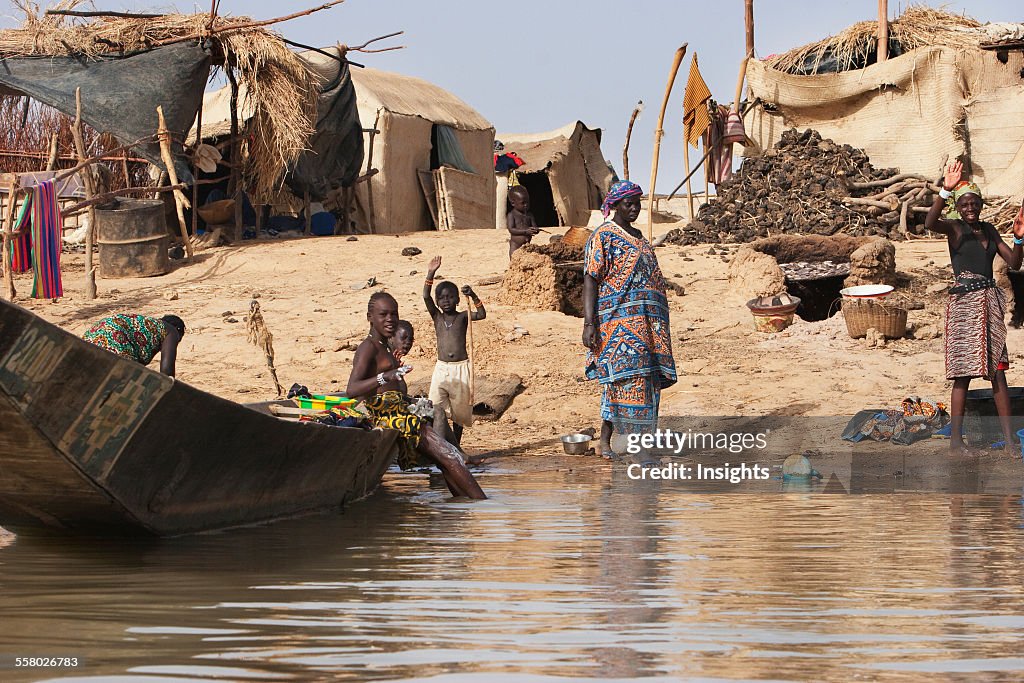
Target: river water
560 575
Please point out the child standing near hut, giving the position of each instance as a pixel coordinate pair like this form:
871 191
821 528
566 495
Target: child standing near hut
450 390
522 226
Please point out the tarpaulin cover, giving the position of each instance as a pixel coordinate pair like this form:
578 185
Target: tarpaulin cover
335 155
120 94
912 112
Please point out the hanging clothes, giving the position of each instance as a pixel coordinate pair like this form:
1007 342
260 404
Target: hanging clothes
21 243
719 162
507 162
46 242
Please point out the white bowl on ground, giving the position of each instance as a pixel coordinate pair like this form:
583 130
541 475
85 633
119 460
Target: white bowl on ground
867 291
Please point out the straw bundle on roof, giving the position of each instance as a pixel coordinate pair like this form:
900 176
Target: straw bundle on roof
919 26
282 92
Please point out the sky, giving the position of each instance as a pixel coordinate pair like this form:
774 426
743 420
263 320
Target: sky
535 65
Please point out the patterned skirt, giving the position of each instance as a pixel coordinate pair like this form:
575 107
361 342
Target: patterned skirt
631 404
976 330
135 337
390 411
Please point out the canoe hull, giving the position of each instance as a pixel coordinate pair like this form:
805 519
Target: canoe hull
89 440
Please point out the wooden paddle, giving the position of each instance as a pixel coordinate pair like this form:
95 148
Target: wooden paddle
659 132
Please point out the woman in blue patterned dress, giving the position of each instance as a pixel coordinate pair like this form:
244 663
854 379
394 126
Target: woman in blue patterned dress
625 320
139 338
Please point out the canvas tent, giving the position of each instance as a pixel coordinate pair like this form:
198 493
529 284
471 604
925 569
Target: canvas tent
433 156
909 112
564 172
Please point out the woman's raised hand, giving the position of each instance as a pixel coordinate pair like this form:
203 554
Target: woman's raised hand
954 172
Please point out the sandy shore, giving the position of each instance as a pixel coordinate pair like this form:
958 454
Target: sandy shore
313 295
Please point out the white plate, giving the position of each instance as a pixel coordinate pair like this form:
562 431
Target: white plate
867 291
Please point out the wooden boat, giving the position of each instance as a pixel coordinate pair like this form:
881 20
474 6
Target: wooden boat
91 441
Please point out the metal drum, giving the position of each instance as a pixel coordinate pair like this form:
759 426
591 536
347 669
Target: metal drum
133 238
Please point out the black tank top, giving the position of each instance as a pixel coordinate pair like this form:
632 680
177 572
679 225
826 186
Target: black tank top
970 255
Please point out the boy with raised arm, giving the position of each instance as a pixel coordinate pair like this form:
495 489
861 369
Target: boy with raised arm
450 385
377 378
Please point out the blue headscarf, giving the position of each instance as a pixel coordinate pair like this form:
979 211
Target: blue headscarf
618 192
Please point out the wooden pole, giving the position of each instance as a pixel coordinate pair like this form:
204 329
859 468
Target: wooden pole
100 157
51 161
883 30
343 227
179 197
689 190
629 132
12 190
234 184
370 223
287 17
306 213
682 182
90 191
195 163
658 133
100 198
739 85
706 164
748 20
124 169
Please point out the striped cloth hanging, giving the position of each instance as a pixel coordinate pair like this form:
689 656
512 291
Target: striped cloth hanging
46 242
695 108
21 243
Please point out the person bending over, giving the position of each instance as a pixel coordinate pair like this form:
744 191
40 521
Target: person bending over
139 338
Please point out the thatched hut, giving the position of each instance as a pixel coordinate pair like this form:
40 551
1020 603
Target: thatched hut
564 172
953 88
334 153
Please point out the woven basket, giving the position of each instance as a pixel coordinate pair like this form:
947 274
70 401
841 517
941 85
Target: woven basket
863 314
576 236
217 213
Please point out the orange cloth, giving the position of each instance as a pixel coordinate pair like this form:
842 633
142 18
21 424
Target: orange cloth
695 109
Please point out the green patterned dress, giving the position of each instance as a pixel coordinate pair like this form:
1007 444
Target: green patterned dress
135 337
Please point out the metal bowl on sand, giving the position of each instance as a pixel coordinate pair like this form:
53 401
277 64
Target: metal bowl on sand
576 444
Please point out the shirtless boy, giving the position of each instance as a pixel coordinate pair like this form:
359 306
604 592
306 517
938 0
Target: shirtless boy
522 226
376 378
450 385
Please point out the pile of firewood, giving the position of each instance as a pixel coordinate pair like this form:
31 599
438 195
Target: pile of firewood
894 198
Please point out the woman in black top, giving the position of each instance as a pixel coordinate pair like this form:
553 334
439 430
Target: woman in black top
975 336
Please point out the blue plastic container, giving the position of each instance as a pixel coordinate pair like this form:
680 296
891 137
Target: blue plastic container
1020 438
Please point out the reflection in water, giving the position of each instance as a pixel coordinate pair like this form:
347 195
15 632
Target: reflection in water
558 575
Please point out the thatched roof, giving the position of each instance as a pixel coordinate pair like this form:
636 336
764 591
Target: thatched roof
281 91
918 26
